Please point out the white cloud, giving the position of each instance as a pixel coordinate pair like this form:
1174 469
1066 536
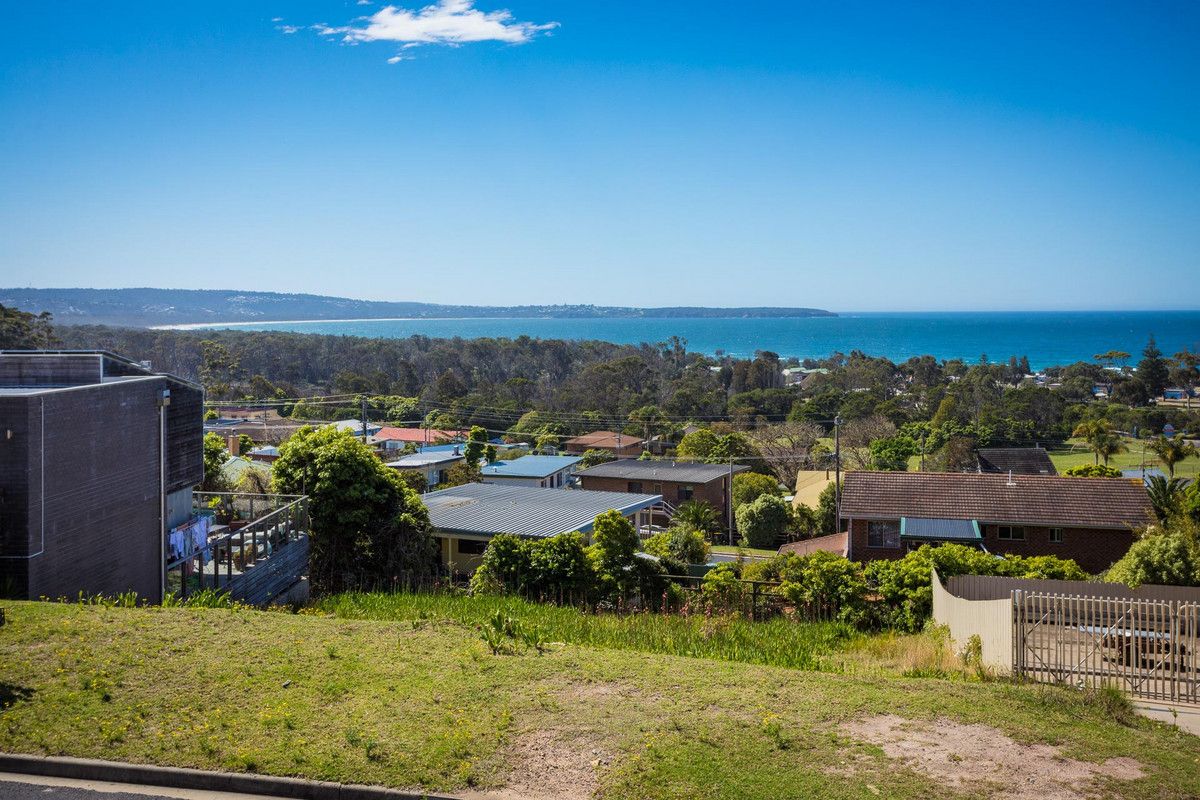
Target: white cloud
287 28
446 22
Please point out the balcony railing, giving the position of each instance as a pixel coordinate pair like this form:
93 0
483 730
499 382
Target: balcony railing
256 544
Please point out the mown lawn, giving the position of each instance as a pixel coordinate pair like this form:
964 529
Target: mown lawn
424 703
1075 453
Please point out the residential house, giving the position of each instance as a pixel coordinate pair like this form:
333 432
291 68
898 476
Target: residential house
547 472
433 465
465 518
619 444
357 426
389 438
98 457
1090 520
676 481
267 454
1017 460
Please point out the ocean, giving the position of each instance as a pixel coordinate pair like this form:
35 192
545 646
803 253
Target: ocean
1047 338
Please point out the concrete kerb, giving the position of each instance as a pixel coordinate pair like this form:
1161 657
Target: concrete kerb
181 778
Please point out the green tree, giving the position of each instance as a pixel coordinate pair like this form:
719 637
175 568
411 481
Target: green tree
827 521
215 457
764 522
477 442
614 553
462 473
219 368
749 486
892 453
367 527
593 457
698 515
21 330
1153 369
1171 451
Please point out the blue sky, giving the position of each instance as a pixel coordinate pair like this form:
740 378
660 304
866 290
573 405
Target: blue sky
851 156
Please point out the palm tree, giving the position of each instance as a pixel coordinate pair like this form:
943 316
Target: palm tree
698 515
1103 440
1171 451
1166 495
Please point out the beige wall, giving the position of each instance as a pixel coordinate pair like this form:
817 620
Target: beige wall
991 620
453 558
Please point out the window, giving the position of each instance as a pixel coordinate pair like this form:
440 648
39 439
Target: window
883 534
1056 536
658 488
471 547
686 491
635 487
1011 533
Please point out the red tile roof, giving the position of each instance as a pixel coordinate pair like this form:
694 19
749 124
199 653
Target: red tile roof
833 543
419 435
1030 499
605 439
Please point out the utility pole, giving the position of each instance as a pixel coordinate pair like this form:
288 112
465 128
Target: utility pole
837 474
364 419
729 501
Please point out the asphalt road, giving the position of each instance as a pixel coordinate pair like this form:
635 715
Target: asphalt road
36 787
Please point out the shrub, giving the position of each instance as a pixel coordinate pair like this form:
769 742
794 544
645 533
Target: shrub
764 522
554 567
1092 471
826 581
1168 557
681 543
905 587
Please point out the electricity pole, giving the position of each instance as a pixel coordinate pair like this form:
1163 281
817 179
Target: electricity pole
364 419
837 474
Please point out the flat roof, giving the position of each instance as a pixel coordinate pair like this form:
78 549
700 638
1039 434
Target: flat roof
485 509
678 471
530 466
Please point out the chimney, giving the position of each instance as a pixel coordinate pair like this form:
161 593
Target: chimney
234 444
1011 482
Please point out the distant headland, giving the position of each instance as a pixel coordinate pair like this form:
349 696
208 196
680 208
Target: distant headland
170 307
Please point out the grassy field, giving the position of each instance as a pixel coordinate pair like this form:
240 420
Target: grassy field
750 551
1075 452
423 702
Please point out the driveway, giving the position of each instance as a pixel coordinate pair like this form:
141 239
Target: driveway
37 787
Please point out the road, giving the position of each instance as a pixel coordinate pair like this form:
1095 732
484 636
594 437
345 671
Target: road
37 787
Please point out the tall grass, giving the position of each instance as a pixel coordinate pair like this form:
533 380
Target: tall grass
777 642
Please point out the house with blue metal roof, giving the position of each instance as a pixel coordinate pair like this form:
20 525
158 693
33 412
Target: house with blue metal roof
547 472
465 518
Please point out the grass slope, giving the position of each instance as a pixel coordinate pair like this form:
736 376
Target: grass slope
423 703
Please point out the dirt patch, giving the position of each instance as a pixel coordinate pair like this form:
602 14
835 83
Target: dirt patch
982 758
544 765
600 691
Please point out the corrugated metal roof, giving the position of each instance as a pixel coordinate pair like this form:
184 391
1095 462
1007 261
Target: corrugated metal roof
530 466
424 459
965 530
485 509
678 471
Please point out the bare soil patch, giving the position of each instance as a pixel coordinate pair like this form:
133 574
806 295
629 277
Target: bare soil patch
545 765
979 757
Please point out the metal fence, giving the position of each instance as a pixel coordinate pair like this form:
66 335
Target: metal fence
1144 647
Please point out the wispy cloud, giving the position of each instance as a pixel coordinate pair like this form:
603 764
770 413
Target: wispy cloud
446 22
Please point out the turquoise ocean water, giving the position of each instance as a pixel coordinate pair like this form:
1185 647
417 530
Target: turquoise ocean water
1046 338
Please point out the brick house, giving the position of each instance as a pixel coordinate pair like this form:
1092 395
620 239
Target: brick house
619 444
676 481
1090 520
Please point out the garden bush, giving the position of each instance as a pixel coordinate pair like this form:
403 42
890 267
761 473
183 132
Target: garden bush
764 522
681 543
1169 557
